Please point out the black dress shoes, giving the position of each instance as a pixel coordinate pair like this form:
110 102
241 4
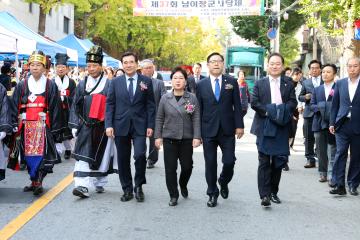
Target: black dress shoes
338 190
29 188
274 198
173 202
212 201
184 192
67 154
224 191
127 196
310 165
139 194
150 164
286 167
265 201
354 191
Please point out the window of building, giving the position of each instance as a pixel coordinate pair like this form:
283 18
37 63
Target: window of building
30 8
66 25
50 12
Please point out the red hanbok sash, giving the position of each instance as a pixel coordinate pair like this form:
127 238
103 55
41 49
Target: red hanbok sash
97 108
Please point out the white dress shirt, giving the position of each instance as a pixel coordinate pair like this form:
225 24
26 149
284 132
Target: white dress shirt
327 88
316 81
212 79
352 88
276 82
135 77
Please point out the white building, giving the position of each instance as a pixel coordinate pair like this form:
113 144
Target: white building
59 21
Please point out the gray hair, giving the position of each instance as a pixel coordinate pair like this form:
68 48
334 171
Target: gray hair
146 61
354 58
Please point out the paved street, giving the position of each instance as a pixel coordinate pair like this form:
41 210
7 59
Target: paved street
307 211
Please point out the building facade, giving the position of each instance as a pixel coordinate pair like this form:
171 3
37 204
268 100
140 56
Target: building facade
59 21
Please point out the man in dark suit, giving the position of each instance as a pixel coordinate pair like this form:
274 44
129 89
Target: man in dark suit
321 101
221 119
147 69
274 101
130 117
305 96
195 79
345 124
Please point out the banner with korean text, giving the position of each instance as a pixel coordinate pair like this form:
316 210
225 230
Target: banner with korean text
201 8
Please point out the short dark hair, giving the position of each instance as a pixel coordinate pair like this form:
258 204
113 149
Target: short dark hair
120 70
178 69
333 66
278 55
199 64
5 69
214 54
126 54
314 61
296 71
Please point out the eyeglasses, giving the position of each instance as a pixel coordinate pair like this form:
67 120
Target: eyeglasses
216 61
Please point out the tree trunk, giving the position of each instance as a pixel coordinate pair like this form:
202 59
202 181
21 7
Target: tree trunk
84 25
349 47
42 22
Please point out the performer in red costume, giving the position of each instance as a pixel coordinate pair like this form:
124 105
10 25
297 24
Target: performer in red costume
37 121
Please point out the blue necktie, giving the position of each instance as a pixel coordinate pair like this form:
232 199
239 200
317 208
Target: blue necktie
131 89
217 89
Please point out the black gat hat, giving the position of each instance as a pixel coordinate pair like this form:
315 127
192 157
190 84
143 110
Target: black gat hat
95 55
61 59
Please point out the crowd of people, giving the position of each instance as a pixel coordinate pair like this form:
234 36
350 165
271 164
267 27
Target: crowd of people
108 113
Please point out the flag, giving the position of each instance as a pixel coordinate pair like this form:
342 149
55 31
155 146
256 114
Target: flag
357 29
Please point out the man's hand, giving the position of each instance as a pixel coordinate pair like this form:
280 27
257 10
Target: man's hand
300 110
239 132
332 129
158 143
149 132
110 132
308 96
196 143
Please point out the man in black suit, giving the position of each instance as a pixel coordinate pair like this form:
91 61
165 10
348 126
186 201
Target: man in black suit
195 79
197 72
345 124
305 96
130 117
321 101
147 69
274 101
221 119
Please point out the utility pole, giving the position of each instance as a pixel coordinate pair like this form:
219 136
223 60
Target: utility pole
277 6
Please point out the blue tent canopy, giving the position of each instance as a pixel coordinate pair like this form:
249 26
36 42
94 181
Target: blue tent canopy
10 23
82 46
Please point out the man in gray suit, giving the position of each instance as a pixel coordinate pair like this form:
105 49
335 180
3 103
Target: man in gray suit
305 96
147 69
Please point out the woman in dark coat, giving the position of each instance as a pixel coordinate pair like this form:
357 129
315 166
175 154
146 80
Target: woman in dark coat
178 129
